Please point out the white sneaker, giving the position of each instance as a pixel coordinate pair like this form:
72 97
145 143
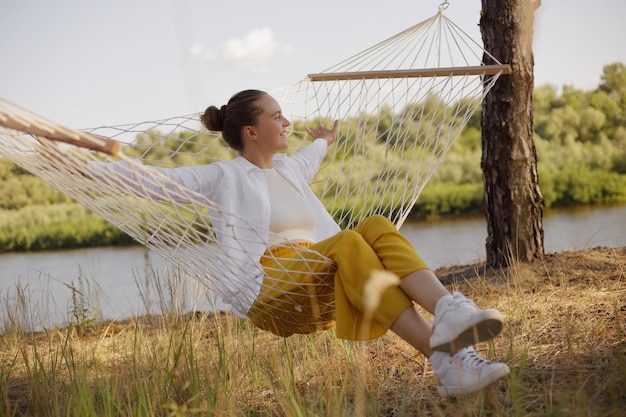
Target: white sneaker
459 322
466 372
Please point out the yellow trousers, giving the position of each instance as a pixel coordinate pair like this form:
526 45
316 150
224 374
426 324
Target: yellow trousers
303 292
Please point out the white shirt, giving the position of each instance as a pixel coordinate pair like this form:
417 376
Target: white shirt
242 215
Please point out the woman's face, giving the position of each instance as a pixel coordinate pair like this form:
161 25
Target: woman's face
271 127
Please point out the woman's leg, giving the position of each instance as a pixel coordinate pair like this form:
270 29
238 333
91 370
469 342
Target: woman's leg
458 321
356 266
397 255
424 288
414 329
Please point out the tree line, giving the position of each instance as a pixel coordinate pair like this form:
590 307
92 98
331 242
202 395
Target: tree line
580 138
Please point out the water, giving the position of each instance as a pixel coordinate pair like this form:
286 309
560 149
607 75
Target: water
461 241
120 282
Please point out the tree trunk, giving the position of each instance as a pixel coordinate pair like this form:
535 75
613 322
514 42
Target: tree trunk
509 160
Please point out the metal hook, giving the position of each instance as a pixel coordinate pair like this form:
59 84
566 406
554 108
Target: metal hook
443 6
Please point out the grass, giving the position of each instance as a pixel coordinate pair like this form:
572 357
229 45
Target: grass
564 340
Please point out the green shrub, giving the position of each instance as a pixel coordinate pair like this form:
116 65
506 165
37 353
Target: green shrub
56 226
449 199
577 186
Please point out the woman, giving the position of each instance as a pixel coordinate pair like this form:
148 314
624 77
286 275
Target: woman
293 288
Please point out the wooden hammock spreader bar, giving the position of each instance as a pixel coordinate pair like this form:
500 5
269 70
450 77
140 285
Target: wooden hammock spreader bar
412 73
17 118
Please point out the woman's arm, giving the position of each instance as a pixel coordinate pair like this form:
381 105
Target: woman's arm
158 183
310 158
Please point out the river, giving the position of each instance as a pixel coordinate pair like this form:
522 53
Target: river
44 289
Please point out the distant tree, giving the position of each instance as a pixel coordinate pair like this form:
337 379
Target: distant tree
514 203
614 80
611 97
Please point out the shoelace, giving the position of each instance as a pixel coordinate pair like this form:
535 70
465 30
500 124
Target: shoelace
468 357
461 299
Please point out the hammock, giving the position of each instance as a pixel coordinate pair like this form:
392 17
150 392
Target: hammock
402 103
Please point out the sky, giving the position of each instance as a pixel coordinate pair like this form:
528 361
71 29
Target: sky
89 63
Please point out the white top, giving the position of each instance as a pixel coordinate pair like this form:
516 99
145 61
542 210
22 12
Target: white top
292 219
240 214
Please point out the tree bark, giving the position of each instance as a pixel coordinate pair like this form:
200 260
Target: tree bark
514 202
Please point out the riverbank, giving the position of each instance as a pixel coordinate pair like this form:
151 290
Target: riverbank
563 339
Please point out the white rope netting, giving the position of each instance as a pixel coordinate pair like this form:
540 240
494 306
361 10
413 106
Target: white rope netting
401 104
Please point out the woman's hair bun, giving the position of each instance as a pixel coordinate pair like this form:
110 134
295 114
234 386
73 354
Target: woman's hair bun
213 118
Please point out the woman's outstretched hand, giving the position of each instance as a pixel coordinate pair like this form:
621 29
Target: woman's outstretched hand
321 132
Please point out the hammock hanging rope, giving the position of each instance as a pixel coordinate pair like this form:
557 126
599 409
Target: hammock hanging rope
402 104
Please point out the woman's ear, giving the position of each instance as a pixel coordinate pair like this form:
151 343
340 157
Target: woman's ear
249 133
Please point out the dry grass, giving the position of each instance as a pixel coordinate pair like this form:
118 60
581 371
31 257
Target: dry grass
564 341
